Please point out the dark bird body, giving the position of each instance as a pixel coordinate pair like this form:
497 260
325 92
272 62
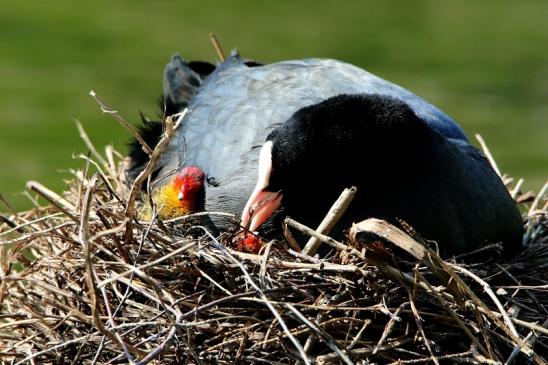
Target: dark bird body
333 125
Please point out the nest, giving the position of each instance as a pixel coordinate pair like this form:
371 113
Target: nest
84 281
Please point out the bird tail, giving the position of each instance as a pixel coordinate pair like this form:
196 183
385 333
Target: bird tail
181 81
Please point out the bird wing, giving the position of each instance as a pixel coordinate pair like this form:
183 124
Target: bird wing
237 106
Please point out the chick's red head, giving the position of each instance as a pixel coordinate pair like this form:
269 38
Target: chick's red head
189 183
182 195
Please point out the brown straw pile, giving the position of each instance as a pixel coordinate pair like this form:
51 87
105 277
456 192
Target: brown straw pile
84 281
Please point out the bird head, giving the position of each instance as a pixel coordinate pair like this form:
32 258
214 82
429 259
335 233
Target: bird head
264 200
343 141
182 195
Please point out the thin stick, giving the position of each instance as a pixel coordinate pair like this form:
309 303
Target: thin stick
366 324
217 46
12 224
187 217
7 204
101 172
108 110
531 326
81 177
321 237
418 321
326 337
154 157
452 313
291 265
90 145
388 328
539 197
109 153
488 154
332 217
516 189
61 203
493 297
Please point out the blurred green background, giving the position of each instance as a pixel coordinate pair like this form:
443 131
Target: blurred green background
483 62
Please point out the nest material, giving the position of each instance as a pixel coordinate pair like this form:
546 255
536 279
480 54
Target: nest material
84 281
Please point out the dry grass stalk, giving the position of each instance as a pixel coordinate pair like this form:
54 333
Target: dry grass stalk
84 281
332 217
488 154
217 46
108 110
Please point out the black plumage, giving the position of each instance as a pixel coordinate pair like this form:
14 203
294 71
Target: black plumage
403 169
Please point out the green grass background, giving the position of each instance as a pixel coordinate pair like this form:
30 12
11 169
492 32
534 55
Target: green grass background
483 62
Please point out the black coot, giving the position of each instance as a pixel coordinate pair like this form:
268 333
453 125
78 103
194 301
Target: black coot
403 169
